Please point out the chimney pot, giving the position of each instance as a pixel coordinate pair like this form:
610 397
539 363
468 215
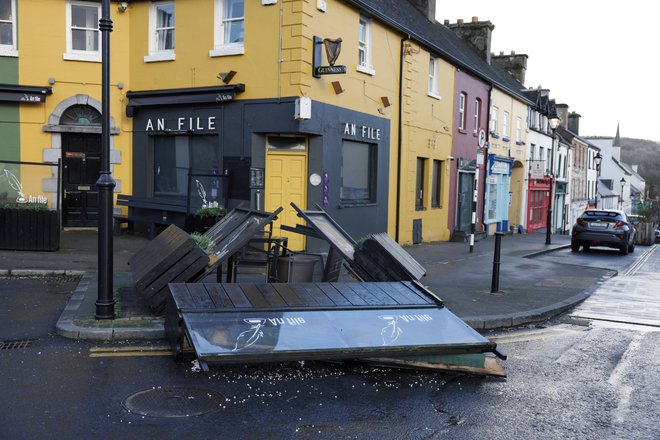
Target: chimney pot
501 52
475 19
513 52
446 22
459 21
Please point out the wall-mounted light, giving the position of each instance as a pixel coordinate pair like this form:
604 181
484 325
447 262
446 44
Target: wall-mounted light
51 80
386 103
122 6
336 85
226 77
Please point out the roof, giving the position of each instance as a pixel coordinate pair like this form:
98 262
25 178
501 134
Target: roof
440 40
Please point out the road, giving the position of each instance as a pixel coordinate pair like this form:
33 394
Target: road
582 379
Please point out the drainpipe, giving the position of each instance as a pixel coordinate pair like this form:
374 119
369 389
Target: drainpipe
400 140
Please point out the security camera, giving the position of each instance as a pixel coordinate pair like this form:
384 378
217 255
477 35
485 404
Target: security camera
450 157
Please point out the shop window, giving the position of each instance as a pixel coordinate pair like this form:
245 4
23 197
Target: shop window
420 185
83 36
229 24
161 31
436 190
8 28
358 173
364 47
176 156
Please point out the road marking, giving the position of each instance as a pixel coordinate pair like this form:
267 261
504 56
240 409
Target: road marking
145 350
640 262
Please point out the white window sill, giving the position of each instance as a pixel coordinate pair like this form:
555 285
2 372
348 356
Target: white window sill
93 57
162 56
366 69
434 95
8 52
222 51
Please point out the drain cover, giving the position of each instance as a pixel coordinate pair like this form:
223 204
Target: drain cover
173 402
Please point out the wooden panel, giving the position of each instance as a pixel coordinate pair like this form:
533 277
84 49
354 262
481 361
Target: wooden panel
292 299
312 291
271 295
236 295
200 295
255 297
349 294
181 296
219 296
333 294
402 294
364 293
172 273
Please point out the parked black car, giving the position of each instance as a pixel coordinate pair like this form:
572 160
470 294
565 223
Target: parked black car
603 227
657 236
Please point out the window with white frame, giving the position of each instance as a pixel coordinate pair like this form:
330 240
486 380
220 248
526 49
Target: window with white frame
433 77
477 114
8 28
229 28
518 129
493 120
364 47
161 31
505 124
461 111
83 37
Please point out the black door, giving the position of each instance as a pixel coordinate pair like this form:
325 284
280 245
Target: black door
81 159
464 208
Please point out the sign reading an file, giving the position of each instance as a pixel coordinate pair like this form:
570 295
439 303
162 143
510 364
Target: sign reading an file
332 51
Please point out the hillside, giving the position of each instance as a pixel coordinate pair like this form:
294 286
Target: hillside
646 154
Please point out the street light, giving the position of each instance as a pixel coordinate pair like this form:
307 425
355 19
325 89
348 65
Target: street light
554 121
598 159
623 183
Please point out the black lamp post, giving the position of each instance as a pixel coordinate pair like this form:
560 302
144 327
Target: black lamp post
105 303
623 183
598 159
554 121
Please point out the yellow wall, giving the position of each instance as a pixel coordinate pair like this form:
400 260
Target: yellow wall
41 58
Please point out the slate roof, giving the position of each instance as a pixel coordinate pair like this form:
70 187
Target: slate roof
440 40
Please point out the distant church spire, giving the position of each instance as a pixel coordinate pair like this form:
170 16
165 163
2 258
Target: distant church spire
617 138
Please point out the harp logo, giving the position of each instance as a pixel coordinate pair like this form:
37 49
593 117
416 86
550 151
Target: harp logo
332 51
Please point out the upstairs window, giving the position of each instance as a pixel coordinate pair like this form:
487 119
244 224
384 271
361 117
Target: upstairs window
461 111
229 26
161 31
518 129
493 120
505 125
83 36
8 28
433 77
364 47
477 114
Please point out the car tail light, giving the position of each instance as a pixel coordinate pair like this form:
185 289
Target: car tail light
581 221
619 224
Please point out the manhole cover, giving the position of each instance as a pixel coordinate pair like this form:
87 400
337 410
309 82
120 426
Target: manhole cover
173 402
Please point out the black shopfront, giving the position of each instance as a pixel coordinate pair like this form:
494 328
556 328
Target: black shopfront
184 138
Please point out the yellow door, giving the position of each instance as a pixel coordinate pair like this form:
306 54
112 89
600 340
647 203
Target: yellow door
286 182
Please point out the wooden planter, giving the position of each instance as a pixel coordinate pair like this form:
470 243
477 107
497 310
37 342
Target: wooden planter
195 223
29 230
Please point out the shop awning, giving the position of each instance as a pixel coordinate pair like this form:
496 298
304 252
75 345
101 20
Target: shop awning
24 94
196 95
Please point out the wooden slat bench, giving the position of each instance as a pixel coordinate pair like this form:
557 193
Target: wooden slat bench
150 211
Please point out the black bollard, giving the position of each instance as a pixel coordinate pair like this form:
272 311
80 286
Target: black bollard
495 283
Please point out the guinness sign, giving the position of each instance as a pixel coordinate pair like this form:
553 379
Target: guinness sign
332 51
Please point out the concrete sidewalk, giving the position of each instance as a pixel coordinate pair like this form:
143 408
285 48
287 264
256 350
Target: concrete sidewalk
529 290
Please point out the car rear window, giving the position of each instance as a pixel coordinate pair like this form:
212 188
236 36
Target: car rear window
604 215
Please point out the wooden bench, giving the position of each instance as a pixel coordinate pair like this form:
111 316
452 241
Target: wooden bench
150 211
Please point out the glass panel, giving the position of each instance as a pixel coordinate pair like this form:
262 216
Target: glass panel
84 16
165 39
6 34
437 175
234 31
356 172
5 10
287 144
293 334
165 16
234 9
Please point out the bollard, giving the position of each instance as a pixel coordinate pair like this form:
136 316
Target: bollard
495 283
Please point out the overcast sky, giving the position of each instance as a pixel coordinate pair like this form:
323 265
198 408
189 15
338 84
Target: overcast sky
599 57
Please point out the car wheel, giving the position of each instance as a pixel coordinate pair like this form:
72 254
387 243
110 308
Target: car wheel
586 247
631 248
575 247
623 250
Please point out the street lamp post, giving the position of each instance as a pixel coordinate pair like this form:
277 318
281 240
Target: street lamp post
623 183
105 303
598 159
554 121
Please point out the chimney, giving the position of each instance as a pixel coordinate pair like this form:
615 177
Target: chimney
478 34
427 7
574 123
562 112
635 168
515 64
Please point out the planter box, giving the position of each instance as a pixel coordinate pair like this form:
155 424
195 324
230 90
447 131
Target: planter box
29 230
195 223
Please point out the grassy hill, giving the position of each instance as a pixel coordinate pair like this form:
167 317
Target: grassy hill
646 154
